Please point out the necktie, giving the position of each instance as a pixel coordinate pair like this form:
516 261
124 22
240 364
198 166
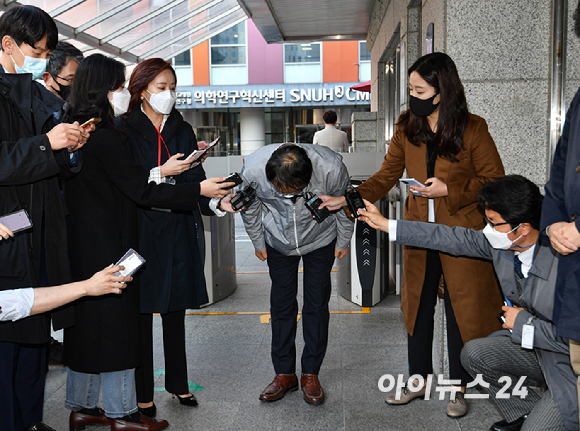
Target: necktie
518 266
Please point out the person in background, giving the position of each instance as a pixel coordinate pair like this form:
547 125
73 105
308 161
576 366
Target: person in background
61 68
283 232
60 71
561 222
173 279
102 348
527 267
450 151
330 136
33 155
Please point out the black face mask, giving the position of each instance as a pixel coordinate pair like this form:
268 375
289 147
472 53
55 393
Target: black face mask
63 91
422 107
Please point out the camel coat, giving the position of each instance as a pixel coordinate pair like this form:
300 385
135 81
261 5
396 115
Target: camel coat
471 283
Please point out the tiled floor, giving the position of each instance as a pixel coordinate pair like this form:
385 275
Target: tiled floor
229 358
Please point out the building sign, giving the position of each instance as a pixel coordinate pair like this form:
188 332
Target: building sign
245 96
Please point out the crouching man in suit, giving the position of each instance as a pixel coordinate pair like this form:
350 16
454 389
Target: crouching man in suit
526 266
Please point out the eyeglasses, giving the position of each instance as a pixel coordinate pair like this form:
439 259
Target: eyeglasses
494 224
69 80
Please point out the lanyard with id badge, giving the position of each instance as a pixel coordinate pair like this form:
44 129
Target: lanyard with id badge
528 334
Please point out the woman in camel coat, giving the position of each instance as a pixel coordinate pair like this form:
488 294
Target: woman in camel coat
449 150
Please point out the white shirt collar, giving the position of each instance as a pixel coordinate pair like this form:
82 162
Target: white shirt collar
527 258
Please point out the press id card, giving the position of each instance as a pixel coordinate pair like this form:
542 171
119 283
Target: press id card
132 261
528 336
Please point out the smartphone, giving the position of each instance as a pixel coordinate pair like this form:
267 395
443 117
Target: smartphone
16 221
91 121
233 178
132 261
198 153
411 182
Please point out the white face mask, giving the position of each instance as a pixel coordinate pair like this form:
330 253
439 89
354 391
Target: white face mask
120 101
163 102
499 240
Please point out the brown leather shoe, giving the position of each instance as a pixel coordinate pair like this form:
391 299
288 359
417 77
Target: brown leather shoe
279 386
313 393
145 424
79 420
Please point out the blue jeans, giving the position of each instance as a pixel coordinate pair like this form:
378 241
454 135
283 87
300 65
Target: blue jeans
119 393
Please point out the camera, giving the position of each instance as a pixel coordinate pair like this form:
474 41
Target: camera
243 198
312 203
353 201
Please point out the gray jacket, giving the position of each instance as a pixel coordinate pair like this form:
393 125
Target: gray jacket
286 226
538 296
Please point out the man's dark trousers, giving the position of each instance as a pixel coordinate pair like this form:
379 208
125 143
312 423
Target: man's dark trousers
284 307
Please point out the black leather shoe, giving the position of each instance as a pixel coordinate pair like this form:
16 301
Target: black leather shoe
150 411
40 426
504 425
188 400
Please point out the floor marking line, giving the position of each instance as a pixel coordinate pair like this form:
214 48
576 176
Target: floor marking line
363 310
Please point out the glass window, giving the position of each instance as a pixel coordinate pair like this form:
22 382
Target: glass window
302 53
232 36
364 62
228 55
183 59
364 53
429 38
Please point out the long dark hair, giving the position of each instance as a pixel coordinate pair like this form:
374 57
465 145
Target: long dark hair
94 78
439 71
141 77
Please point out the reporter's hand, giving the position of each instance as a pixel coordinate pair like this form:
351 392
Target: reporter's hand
262 255
5 233
173 166
373 217
71 136
435 189
226 204
340 253
104 282
85 135
510 314
202 145
212 189
333 203
564 237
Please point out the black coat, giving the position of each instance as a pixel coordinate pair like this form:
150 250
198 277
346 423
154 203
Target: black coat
102 226
29 179
173 276
562 204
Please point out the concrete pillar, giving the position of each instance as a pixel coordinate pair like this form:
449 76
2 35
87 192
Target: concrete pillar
252 129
